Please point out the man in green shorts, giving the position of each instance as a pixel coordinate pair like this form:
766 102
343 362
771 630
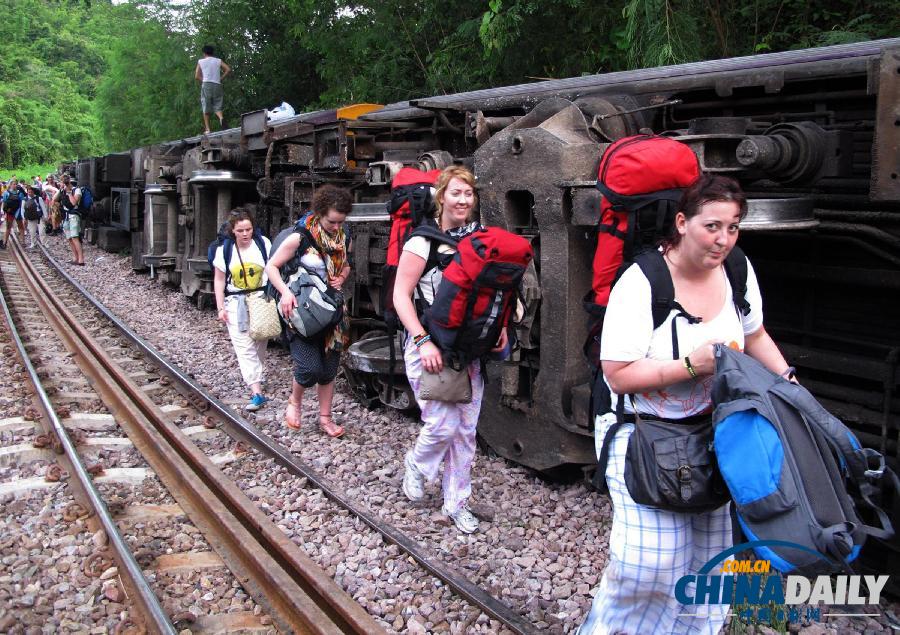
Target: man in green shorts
210 72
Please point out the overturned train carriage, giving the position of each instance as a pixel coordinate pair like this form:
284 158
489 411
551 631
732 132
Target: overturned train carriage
812 135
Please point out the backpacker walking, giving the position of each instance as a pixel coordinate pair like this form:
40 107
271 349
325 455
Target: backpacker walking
12 210
35 211
69 199
448 434
667 370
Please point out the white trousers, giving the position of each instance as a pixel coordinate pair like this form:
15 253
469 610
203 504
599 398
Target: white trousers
35 229
649 550
250 353
448 433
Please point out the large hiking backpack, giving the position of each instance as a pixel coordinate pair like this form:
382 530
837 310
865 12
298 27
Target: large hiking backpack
410 205
32 209
225 240
319 306
795 472
478 293
86 201
642 178
12 203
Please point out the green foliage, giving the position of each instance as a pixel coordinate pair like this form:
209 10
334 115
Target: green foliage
27 171
48 65
85 77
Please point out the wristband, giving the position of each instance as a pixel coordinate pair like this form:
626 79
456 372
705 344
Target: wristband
690 366
789 373
416 338
420 342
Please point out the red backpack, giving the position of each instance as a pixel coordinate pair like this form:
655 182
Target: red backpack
409 207
642 179
478 292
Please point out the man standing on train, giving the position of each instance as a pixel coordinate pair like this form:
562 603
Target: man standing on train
210 72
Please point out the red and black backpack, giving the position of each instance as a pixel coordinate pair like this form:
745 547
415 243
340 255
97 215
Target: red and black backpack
410 205
642 179
477 294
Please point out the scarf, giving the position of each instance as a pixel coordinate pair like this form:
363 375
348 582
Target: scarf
334 246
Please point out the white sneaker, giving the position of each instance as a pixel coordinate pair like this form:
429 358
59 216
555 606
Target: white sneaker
413 481
464 520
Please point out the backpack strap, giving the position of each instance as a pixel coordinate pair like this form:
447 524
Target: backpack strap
599 480
261 245
227 250
736 272
662 293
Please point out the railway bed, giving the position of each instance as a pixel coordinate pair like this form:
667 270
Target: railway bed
296 593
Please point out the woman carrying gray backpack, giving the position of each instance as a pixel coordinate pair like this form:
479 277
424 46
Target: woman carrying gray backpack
320 246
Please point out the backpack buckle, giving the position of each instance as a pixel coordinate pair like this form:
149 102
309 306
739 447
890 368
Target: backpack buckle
878 471
684 474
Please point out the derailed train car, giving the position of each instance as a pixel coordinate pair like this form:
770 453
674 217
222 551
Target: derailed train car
812 135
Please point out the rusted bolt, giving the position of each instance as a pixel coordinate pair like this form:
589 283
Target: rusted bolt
96 563
56 444
165 381
74 511
63 412
55 473
95 469
240 447
209 422
136 355
31 414
42 441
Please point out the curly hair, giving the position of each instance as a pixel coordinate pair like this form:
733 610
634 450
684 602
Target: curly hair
331 197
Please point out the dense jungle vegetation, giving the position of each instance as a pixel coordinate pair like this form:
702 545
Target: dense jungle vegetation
82 77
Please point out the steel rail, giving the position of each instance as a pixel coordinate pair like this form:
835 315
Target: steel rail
242 428
298 594
153 615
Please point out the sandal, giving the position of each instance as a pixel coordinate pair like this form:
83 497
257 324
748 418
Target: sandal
292 415
329 427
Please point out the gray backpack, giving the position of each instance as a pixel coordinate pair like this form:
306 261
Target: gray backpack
319 306
796 473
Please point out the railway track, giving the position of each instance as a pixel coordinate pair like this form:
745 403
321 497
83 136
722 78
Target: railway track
189 408
297 595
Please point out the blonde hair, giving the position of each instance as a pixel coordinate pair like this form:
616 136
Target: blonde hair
453 172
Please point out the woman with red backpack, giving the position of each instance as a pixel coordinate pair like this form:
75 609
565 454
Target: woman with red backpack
662 377
448 434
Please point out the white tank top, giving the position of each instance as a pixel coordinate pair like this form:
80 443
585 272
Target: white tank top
211 67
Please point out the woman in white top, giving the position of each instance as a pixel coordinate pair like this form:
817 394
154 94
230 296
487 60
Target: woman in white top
326 253
243 274
448 433
650 549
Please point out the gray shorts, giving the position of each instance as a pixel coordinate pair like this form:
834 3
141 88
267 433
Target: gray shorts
211 97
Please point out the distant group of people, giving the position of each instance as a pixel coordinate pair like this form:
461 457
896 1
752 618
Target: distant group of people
42 207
